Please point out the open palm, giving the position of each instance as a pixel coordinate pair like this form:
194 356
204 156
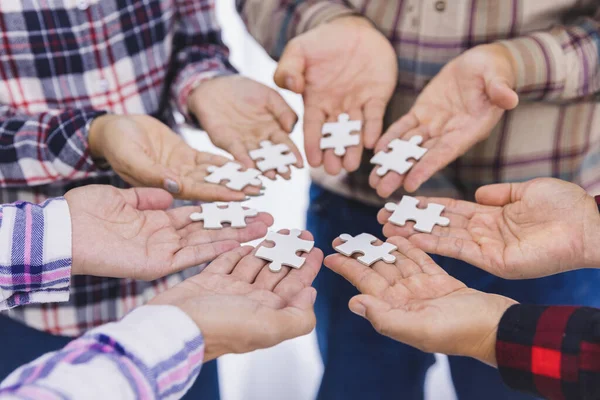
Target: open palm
131 234
525 230
240 305
456 110
344 66
416 302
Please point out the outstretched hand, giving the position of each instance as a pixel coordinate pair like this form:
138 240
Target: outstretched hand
515 231
241 306
130 233
456 110
416 302
344 66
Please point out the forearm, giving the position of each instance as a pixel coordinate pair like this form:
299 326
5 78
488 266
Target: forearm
155 352
200 52
552 352
43 148
562 64
35 261
273 23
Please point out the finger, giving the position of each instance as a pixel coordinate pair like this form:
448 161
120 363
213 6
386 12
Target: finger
498 195
314 118
252 231
454 247
299 279
362 277
291 68
269 280
230 142
352 158
305 299
251 266
373 113
194 255
283 113
147 198
397 130
417 257
225 263
501 94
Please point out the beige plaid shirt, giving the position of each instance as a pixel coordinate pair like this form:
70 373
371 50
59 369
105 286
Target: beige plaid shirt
554 132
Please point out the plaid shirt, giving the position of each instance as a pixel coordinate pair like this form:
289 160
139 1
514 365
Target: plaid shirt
552 352
155 352
63 63
556 43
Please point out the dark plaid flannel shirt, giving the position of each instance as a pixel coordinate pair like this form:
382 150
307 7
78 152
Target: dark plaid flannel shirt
63 63
551 352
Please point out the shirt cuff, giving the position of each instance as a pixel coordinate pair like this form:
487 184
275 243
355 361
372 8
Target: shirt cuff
163 342
539 72
539 348
37 266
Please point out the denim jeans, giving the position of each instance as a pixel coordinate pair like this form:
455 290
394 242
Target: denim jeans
361 364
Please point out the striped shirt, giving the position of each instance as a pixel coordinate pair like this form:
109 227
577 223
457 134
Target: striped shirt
63 63
556 44
155 352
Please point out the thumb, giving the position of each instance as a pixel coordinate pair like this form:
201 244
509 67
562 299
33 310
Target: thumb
305 299
291 68
147 198
501 94
368 307
499 194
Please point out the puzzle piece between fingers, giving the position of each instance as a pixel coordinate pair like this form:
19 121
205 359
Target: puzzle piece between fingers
396 159
273 156
284 252
363 244
425 218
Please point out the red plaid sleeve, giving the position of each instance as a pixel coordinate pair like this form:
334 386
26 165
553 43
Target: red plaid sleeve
44 148
200 53
552 352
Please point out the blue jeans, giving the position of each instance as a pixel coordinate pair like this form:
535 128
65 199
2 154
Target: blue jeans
21 344
361 364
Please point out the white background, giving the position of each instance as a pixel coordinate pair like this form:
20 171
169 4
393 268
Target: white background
292 370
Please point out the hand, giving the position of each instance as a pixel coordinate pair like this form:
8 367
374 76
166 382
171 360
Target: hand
241 306
145 152
344 66
416 302
239 113
129 234
517 231
458 109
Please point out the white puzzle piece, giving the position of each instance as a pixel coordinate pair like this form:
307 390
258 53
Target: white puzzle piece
397 158
231 172
363 244
272 156
284 252
340 134
425 218
215 214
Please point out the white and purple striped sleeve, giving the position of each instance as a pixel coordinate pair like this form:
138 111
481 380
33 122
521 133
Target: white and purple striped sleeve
35 253
155 352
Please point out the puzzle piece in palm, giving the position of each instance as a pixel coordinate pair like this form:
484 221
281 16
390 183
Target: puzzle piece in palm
425 218
273 156
397 158
340 134
284 252
231 172
363 244
215 214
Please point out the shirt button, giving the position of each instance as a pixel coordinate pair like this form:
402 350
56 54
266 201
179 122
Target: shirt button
83 5
440 5
103 85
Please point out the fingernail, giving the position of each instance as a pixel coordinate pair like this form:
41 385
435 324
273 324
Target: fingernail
359 309
171 186
290 82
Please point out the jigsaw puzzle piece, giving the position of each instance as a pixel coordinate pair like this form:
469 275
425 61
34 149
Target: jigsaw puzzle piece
363 244
215 214
425 218
236 179
396 159
340 134
271 156
284 252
